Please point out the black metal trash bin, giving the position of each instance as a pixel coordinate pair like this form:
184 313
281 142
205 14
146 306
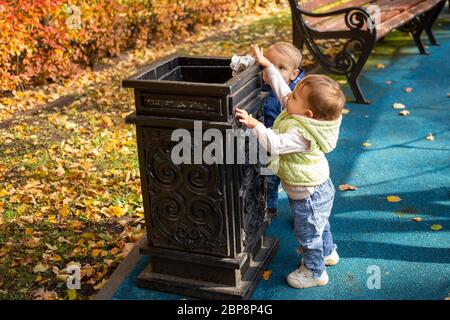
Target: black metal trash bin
205 223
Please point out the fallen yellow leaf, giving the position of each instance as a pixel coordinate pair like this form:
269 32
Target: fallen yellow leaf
116 211
108 262
393 199
15 262
417 219
366 144
404 113
107 121
430 137
27 219
33 243
398 106
436 227
380 66
266 274
345 187
41 294
100 284
60 171
345 111
96 252
72 294
39 268
52 219
56 258
22 209
76 225
62 277
64 211
50 247
88 235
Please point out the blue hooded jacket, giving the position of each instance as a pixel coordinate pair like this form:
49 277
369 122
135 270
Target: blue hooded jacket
272 107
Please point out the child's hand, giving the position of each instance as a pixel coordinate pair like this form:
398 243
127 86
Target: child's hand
246 119
259 56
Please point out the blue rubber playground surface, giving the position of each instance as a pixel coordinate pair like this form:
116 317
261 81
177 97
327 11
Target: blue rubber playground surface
413 259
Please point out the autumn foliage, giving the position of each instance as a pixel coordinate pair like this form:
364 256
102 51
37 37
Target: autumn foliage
46 40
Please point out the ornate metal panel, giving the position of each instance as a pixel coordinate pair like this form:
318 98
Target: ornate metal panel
186 201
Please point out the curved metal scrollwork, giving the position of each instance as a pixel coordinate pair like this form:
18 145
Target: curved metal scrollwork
200 179
362 31
356 19
345 60
253 203
252 192
186 200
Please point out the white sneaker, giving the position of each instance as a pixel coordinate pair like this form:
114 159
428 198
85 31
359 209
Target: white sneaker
302 278
332 259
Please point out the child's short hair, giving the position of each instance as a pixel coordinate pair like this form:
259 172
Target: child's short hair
289 50
326 98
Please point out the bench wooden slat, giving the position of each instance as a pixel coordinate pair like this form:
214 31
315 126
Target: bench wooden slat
321 23
387 11
312 21
403 17
399 12
312 5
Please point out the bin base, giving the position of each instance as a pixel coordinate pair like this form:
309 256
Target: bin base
209 290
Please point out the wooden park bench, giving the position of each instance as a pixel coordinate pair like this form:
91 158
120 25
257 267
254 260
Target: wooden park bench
363 23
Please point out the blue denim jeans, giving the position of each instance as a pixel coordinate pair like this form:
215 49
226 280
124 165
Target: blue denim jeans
312 228
272 191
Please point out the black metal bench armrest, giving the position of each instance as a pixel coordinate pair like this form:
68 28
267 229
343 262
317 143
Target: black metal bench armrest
360 14
361 39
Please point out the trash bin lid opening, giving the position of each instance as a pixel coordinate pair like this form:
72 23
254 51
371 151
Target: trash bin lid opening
210 76
202 74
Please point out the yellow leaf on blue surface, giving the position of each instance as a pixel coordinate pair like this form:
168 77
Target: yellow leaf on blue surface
266 274
393 199
436 227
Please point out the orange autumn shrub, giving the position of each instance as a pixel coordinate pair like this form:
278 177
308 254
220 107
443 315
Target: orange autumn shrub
102 31
47 40
33 42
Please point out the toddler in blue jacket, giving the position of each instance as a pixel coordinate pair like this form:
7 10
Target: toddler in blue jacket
287 59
